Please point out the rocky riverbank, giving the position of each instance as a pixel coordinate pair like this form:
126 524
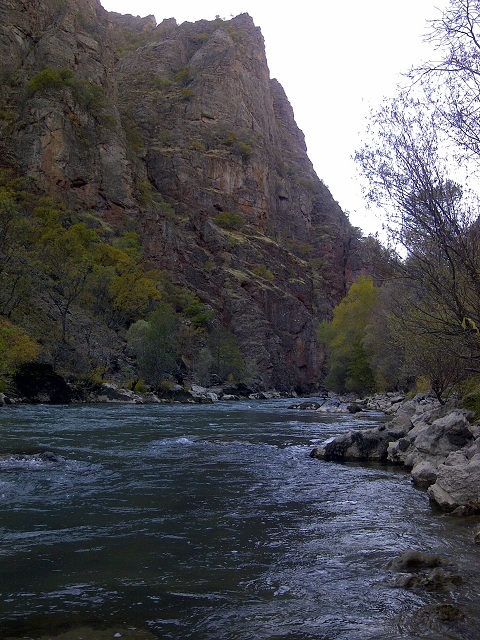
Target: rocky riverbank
109 392
44 386
439 445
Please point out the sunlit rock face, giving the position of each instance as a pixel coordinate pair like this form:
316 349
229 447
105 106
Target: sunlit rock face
178 132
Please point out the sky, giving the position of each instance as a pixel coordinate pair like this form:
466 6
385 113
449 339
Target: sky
335 61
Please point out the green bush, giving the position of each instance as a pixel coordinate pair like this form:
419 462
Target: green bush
264 273
166 385
243 149
229 220
90 96
209 265
239 143
144 194
302 249
183 76
165 137
95 377
167 210
133 136
162 83
16 348
230 137
200 38
187 94
198 146
50 78
140 387
471 396
233 32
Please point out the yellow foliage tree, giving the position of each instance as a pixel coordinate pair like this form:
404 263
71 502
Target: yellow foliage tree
16 348
349 366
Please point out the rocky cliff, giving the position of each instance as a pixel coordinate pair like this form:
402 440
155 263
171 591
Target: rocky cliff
178 132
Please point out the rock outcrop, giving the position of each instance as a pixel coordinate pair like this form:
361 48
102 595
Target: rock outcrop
178 133
438 443
457 482
39 383
420 570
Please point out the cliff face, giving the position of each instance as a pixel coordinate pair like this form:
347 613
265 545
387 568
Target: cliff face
177 132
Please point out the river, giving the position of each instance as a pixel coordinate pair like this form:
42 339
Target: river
210 522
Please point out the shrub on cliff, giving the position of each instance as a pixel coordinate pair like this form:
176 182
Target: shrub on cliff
89 95
50 78
229 220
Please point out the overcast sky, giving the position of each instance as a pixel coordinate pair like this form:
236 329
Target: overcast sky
335 61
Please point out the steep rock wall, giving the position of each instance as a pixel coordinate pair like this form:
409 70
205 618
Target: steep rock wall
178 132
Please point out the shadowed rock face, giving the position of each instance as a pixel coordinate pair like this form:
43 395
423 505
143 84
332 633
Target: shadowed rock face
178 132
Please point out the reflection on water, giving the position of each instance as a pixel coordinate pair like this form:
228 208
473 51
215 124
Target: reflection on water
209 522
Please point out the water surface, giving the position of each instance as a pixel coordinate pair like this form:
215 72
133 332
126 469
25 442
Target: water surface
210 522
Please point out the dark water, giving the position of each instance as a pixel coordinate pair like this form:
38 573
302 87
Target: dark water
211 521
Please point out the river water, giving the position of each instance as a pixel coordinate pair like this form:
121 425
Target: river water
210 522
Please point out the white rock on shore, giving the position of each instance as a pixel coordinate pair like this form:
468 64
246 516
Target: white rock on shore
438 443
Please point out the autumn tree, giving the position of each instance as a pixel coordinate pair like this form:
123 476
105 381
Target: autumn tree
64 266
423 148
349 368
16 348
406 352
122 290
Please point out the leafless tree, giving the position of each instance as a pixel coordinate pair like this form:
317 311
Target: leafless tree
451 83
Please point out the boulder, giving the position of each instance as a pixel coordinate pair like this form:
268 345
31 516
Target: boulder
432 438
110 392
239 390
364 444
420 570
424 473
413 560
202 395
306 406
334 405
457 483
435 580
354 408
443 613
388 403
437 442
150 398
